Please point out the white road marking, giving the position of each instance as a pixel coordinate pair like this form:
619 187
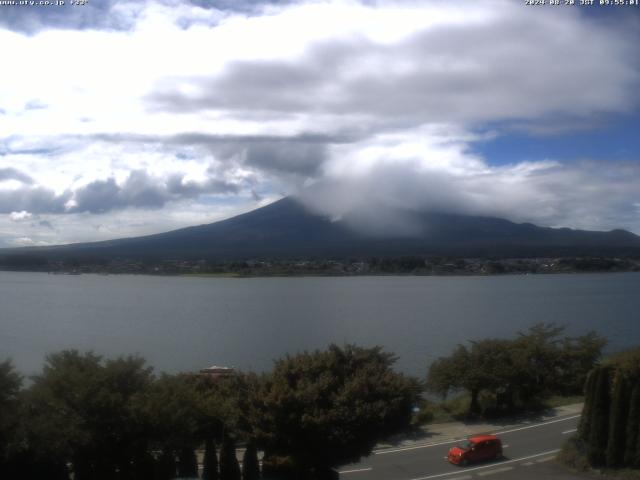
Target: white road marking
427 445
356 470
505 446
497 470
439 475
415 447
570 431
544 459
537 425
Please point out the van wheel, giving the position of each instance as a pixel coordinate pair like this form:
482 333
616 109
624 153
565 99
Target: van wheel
464 462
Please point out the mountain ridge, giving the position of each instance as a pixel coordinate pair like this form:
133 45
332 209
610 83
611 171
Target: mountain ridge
286 229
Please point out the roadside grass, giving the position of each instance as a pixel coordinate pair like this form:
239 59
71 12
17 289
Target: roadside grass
457 408
558 401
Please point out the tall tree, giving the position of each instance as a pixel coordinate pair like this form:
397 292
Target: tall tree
210 462
187 463
80 411
325 408
599 429
229 467
587 410
618 421
10 384
250 465
633 427
523 371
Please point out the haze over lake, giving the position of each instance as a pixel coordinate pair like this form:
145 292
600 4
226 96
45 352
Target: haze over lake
186 323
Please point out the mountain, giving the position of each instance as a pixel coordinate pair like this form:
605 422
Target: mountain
285 229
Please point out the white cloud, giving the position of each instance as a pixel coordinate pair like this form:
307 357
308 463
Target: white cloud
430 169
20 216
182 108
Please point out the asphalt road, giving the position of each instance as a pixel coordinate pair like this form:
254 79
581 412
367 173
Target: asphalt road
528 452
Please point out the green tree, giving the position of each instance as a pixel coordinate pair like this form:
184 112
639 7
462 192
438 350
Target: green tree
633 426
618 421
599 421
229 467
170 409
210 463
587 410
10 384
187 463
250 465
578 357
80 410
519 373
326 408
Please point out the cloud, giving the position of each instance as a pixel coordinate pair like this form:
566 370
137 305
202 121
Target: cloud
28 242
34 199
11 173
483 69
140 190
380 184
120 14
214 107
20 216
46 224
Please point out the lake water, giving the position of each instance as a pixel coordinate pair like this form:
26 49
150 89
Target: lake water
186 323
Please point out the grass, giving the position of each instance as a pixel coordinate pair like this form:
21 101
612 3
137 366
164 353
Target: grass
457 408
557 401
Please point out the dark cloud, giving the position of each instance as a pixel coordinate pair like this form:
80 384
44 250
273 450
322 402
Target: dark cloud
140 190
301 154
11 173
33 199
113 14
473 72
46 224
102 15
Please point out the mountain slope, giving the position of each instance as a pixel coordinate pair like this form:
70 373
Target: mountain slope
285 229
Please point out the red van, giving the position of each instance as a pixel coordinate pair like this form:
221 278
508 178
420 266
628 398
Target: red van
476 449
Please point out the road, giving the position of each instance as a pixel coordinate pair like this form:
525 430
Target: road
527 450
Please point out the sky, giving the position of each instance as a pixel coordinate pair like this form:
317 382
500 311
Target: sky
121 118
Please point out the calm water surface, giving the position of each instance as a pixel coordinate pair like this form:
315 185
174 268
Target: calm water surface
181 323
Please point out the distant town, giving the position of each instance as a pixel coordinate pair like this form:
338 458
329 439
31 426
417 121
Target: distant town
409 265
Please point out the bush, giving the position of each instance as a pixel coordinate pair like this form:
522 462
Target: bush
574 455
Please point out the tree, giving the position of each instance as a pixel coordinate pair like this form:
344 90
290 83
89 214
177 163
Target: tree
210 463
10 383
633 426
610 421
599 421
578 357
250 465
326 408
519 372
187 463
80 410
229 467
587 410
170 409
617 421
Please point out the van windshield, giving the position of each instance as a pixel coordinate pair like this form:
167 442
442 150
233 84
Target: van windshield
466 445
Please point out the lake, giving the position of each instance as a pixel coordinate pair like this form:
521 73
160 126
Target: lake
186 323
